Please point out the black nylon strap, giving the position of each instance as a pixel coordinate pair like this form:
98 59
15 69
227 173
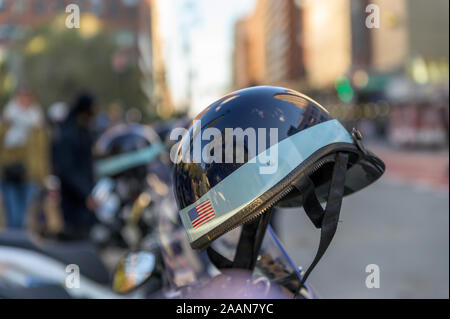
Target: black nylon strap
313 210
248 247
244 256
218 260
330 216
252 233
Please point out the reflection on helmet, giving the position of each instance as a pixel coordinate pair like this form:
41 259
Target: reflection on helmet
127 153
216 197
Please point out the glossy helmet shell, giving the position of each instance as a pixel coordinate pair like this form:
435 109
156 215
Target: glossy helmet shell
122 141
125 138
307 139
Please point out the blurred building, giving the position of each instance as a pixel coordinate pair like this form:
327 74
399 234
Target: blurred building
428 25
372 48
338 32
283 60
392 33
321 40
151 60
379 47
412 34
370 60
135 23
268 45
243 74
420 113
286 43
327 41
16 16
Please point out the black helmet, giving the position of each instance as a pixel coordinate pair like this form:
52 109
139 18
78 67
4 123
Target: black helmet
126 147
316 159
127 152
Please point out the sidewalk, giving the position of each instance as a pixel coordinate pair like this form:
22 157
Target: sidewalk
423 168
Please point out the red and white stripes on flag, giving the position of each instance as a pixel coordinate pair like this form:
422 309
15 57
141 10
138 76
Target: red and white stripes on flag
202 213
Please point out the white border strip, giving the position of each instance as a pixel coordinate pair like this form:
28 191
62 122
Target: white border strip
246 183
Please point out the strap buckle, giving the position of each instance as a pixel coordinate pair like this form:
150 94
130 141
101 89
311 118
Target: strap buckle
357 138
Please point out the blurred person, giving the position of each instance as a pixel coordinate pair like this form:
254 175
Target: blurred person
23 156
47 216
73 164
57 113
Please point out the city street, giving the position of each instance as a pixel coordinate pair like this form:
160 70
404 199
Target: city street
104 169
400 227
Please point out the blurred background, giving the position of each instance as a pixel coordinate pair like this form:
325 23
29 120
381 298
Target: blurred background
379 65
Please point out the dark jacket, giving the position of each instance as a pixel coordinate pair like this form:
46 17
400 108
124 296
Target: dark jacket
73 164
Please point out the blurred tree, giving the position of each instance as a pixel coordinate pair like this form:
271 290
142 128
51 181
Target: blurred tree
6 81
57 62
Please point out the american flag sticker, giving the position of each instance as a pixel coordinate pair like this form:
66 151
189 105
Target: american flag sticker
202 213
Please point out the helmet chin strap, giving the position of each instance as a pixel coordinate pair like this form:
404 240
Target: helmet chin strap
327 220
253 232
248 247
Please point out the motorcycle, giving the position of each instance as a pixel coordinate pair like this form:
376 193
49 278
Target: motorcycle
159 263
125 221
168 268
32 267
192 274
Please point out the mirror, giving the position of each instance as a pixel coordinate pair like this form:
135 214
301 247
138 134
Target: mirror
133 270
108 201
